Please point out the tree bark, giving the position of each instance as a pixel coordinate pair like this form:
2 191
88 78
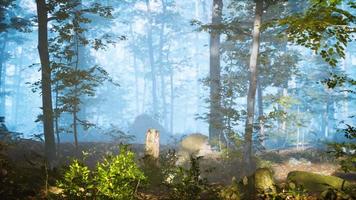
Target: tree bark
161 68
151 60
260 112
2 76
50 145
172 100
215 118
252 84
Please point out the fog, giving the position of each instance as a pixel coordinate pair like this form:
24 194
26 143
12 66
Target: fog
157 58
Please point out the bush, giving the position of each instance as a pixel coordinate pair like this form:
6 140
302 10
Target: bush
77 182
188 184
117 177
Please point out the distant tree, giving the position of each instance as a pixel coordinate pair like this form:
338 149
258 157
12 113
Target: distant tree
10 24
72 80
215 115
327 29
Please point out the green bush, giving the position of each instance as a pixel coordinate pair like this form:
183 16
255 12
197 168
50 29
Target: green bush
77 182
117 177
188 184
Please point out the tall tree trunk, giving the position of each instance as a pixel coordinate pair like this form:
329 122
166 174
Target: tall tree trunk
56 116
2 76
75 130
151 60
136 84
50 145
252 84
215 119
172 100
260 111
76 107
330 117
326 115
197 66
161 69
82 63
18 83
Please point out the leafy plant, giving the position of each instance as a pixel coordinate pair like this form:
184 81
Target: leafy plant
345 152
117 177
188 184
77 182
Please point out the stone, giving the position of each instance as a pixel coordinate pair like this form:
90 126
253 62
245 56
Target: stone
316 183
152 143
264 182
194 144
144 122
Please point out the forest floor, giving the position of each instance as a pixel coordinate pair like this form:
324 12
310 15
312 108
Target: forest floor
27 154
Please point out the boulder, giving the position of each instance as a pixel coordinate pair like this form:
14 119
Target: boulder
194 144
144 122
316 183
264 182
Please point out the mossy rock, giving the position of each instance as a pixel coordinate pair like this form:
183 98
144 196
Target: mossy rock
264 182
316 183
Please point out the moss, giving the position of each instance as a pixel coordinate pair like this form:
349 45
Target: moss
316 182
264 181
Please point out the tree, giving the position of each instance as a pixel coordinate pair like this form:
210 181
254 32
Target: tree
10 25
46 87
252 82
215 116
326 29
74 80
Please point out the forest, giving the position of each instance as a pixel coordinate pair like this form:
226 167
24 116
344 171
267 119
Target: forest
177 99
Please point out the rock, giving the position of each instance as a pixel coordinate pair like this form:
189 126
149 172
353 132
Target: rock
195 144
264 182
144 122
316 183
294 161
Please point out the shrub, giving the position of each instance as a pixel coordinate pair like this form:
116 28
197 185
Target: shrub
117 177
187 184
77 182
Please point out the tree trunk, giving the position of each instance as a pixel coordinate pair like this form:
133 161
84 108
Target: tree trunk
75 130
252 84
50 145
327 111
260 112
18 81
151 60
2 76
197 66
136 84
172 100
215 119
162 78
56 116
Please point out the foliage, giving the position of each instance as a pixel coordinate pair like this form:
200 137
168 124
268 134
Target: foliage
9 20
77 182
74 77
345 152
187 183
116 177
324 28
230 192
